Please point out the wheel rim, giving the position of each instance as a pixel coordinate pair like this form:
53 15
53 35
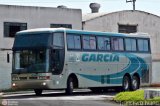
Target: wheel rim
126 84
71 85
135 83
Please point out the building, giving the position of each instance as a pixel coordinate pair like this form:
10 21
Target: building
128 21
16 18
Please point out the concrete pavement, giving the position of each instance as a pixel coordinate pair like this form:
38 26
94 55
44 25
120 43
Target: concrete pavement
59 98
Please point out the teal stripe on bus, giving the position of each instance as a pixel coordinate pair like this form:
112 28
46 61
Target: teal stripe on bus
95 33
116 78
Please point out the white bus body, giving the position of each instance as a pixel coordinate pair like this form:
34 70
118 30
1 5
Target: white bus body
66 59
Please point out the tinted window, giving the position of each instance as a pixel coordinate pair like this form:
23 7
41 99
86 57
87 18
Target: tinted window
37 40
58 40
73 41
143 45
86 44
70 41
103 43
117 44
130 44
140 45
89 42
77 40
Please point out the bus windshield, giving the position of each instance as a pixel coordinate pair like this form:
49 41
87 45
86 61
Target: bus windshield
29 61
32 41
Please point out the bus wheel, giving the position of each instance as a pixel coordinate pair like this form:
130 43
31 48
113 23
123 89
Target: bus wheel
38 91
126 83
70 86
135 83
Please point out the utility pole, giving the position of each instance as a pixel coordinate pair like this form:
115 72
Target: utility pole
133 1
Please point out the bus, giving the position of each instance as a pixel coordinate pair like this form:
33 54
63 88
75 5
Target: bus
66 59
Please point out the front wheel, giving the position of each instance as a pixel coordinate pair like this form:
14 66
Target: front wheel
135 83
38 91
126 83
70 86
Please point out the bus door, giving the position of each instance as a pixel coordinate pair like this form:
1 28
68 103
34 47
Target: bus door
57 54
57 61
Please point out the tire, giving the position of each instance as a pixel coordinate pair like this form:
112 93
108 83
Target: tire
126 83
38 92
135 83
70 86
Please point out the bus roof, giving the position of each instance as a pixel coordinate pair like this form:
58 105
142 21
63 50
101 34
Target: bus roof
40 30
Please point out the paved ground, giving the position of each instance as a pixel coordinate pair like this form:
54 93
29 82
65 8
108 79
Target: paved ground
59 98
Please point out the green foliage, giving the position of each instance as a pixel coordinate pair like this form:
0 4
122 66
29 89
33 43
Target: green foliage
135 98
156 99
130 96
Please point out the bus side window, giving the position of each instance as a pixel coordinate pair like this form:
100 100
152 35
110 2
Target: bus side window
117 44
143 45
58 40
130 44
89 42
73 41
104 43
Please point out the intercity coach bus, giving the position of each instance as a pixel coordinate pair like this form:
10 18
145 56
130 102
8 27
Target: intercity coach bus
59 58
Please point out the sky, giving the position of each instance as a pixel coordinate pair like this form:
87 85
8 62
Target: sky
151 6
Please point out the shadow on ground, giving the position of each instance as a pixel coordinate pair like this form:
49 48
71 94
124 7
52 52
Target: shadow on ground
58 94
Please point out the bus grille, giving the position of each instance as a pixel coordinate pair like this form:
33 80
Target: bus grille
33 77
23 78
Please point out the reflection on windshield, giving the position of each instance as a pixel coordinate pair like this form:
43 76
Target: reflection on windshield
30 61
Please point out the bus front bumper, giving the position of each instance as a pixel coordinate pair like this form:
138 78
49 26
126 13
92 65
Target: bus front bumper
32 84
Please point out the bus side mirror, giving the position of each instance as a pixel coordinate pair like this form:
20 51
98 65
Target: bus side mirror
8 58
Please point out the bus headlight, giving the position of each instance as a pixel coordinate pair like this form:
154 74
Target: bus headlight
14 84
44 84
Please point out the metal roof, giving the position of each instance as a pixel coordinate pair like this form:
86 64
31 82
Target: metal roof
91 16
